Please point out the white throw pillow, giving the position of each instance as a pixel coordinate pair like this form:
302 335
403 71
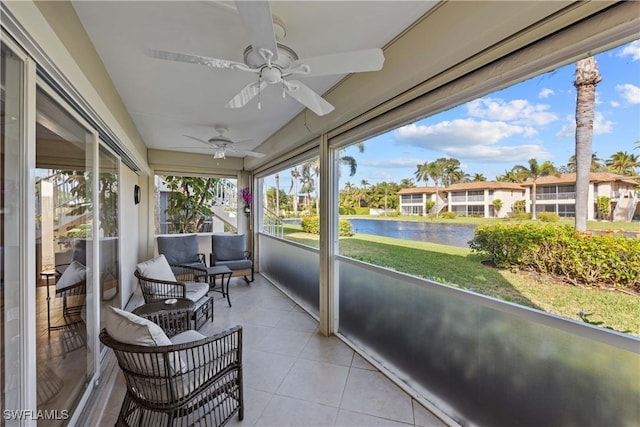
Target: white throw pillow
74 273
157 268
129 328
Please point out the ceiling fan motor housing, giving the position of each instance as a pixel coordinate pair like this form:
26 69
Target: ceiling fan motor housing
286 56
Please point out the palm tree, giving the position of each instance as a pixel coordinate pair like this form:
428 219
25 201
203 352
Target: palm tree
478 177
277 210
535 171
623 163
349 160
510 176
407 183
587 77
422 173
295 174
596 164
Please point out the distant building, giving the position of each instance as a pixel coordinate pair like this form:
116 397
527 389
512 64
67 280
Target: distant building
413 201
553 194
558 194
477 198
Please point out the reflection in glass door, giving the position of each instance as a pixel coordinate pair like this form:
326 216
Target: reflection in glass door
64 257
11 223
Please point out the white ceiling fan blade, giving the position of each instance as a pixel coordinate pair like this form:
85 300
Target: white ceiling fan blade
342 63
304 95
258 23
245 153
197 139
196 59
249 92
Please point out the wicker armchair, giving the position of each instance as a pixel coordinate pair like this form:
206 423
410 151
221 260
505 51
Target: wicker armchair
71 286
185 383
185 285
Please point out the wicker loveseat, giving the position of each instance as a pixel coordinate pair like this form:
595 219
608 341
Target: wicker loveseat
189 379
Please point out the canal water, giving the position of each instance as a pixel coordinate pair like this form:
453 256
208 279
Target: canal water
445 234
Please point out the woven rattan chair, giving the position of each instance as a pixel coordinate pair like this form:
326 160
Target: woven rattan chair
188 285
191 383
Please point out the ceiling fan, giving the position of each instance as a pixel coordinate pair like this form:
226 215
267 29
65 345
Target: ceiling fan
223 145
274 62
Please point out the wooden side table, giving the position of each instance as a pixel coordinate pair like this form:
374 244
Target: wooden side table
172 318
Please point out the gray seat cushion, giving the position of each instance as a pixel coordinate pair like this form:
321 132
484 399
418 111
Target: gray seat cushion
227 247
241 264
179 249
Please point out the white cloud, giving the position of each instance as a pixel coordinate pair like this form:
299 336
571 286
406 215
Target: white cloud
518 111
600 126
545 93
632 50
401 162
629 92
496 154
460 132
614 104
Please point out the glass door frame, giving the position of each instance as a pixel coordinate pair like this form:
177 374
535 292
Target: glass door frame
93 288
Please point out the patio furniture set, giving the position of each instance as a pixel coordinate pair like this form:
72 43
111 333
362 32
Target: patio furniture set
174 374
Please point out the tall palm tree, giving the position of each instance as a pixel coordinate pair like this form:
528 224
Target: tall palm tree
436 171
587 77
478 177
277 210
295 174
534 171
623 163
510 176
422 173
596 164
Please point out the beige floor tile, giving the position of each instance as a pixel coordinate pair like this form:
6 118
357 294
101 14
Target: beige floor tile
424 418
286 342
265 371
296 321
371 393
360 362
317 382
355 419
284 411
327 349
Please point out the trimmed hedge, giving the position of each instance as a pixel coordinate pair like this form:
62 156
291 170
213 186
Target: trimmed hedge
311 224
579 258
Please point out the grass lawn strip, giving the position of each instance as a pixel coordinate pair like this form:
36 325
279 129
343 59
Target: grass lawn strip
460 268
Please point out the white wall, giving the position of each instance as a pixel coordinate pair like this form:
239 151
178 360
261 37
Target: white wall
129 233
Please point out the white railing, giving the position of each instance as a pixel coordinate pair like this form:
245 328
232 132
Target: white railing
272 223
556 196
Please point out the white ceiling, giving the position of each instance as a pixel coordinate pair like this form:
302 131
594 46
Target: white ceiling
168 100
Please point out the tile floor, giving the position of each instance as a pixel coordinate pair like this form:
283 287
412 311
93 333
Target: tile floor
293 376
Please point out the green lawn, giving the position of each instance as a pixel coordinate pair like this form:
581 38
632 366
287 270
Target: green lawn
461 268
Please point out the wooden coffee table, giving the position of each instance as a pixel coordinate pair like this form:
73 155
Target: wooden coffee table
172 318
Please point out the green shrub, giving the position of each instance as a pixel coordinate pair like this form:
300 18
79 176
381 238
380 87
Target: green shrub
362 211
344 228
549 217
448 215
311 225
432 215
522 216
579 258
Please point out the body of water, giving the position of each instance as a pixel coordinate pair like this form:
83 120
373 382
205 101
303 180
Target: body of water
444 234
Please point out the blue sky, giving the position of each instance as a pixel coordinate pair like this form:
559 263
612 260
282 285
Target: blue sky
493 133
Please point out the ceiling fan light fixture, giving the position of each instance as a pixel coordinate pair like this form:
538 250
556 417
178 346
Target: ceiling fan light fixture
218 154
